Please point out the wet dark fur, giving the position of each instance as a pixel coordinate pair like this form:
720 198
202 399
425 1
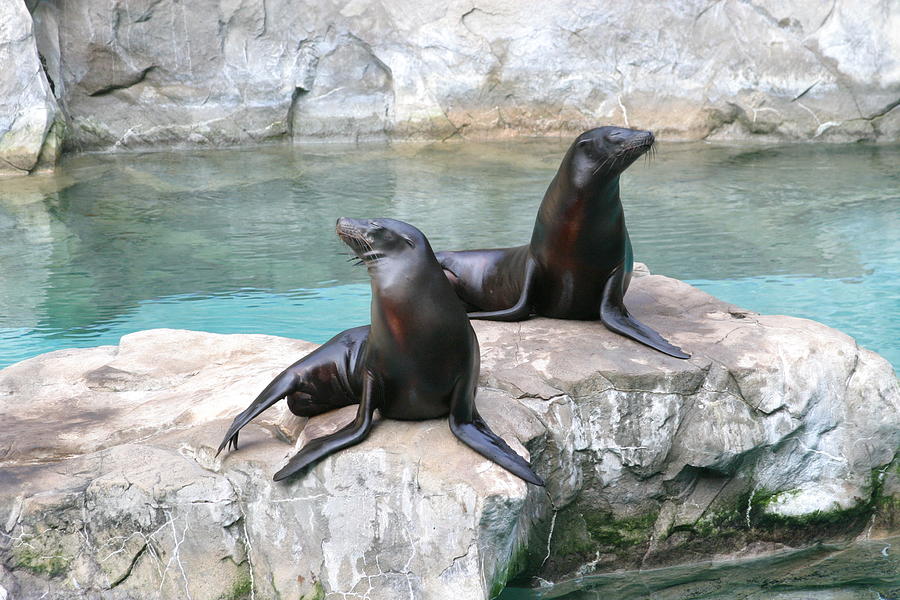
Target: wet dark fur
418 359
579 262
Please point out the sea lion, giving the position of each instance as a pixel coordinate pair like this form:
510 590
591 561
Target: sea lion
579 261
419 359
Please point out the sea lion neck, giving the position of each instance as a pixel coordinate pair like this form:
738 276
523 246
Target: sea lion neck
409 284
604 201
393 274
574 210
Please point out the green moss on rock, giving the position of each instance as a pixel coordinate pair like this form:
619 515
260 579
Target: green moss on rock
40 561
830 521
593 536
750 518
516 564
617 535
242 587
570 536
317 593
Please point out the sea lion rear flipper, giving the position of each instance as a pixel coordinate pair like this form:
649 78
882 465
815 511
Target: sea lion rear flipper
615 317
521 310
467 425
353 433
286 383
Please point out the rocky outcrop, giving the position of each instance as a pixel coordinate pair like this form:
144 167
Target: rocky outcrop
777 434
145 73
31 125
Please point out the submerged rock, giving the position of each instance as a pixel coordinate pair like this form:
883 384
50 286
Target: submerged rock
777 434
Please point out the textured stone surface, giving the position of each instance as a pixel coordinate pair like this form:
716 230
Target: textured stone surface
752 439
779 432
31 125
755 381
109 485
138 73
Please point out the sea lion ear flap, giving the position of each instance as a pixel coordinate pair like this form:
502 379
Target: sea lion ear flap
408 240
588 146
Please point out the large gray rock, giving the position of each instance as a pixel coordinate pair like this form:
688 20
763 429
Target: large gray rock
777 434
109 484
31 125
138 73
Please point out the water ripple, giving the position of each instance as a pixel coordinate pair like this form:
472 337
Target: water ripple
241 240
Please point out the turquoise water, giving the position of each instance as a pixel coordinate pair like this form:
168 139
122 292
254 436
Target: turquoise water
242 240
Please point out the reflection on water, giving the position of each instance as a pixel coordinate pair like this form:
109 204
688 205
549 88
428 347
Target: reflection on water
242 240
858 571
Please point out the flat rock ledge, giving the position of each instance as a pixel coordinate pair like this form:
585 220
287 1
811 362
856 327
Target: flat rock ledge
779 435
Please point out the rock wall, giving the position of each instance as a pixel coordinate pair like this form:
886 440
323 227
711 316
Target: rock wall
151 73
779 433
31 125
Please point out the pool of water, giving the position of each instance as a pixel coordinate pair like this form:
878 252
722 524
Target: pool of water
242 240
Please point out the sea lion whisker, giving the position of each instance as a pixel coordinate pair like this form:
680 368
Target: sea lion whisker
610 160
363 252
369 251
632 146
603 164
372 258
360 244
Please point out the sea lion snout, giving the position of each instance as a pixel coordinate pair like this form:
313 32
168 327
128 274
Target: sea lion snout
629 139
353 233
345 226
375 239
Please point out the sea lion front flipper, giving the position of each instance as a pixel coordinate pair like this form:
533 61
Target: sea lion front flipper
521 310
284 384
353 433
467 425
615 317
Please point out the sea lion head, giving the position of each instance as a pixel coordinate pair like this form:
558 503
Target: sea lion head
377 240
603 153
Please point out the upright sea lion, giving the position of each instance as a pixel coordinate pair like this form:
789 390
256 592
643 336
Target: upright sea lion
419 358
579 262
